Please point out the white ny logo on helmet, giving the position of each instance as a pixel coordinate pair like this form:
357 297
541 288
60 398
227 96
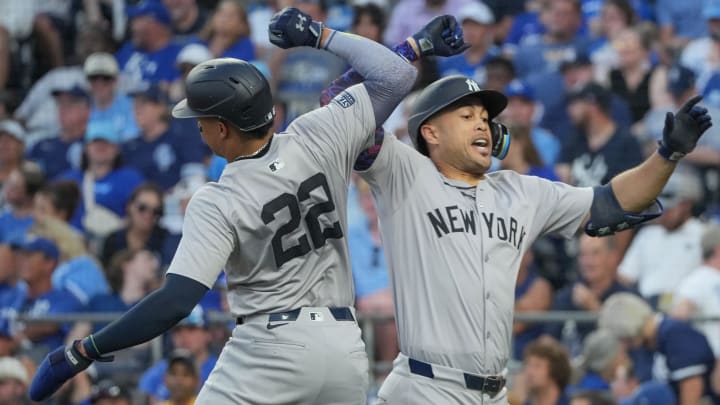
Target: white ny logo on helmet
472 85
301 22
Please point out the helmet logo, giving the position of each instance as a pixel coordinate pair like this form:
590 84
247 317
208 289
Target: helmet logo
472 85
301 21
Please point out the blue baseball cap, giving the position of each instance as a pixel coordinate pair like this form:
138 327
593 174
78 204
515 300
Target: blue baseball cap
102 130
75 90
519 88
150 8
680 79
195 319
152 92
711 9
38 244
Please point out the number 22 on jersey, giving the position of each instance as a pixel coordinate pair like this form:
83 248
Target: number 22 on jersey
294 205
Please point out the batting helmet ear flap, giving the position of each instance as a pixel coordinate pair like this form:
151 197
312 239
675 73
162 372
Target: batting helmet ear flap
500 139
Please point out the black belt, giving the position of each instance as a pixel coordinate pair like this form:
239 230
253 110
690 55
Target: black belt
490 385
339 313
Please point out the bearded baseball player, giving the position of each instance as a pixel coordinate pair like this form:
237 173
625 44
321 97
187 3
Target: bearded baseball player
455 234
276 222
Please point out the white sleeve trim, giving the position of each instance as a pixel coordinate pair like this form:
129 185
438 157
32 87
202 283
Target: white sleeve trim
687 372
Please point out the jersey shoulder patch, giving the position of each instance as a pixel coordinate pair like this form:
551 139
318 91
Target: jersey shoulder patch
345 99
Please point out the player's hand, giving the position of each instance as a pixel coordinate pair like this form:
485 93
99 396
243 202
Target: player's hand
59 366
291 27
683 129
442 36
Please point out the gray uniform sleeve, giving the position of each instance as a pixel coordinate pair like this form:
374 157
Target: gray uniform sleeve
561 208
207 240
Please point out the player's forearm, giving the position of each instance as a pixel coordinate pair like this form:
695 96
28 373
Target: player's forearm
388 77
637 188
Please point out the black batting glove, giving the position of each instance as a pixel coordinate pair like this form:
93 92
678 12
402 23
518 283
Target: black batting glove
442 36
291 27
683 130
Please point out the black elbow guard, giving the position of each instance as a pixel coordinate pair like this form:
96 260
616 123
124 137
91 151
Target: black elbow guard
607 216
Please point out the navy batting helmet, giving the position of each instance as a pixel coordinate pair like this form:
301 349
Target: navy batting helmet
448 90
227 88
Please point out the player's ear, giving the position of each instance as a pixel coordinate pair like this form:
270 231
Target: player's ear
430 133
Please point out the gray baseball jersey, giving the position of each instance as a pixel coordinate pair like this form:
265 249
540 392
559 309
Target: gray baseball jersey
454 252
277 223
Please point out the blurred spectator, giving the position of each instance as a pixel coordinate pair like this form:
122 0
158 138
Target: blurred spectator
676 234
679 21
681 86
408 16
158 153
688 356
616 16
369 21
602 355
189 334
524 110
526 27
602 150
560 42
106 392
297 89
259 14
477 24
631 79
36 260
187 18
697 294
505 12
370 274
546 369
532 293
13 381
181 378
228 34
142 229
591 397
39 112
105 183
190 56
108 104
16 17
701 54
58 200
12 150
628 390
523 156
149 56
19 191
597 260
64 151
499 72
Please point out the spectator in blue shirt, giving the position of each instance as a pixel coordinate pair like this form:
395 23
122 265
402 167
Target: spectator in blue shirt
149 56
228 35
62 152
159 153
109 104
602 355
689 359
111 182
477 24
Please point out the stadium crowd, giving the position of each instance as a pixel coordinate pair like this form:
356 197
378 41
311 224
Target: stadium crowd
96 175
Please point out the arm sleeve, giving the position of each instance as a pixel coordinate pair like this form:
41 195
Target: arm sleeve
561 208
685 353
152 316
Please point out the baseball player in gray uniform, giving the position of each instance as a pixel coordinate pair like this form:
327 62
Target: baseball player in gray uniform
455 234
275 221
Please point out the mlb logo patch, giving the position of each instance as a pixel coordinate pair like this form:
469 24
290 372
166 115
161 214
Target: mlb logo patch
345 100
316 316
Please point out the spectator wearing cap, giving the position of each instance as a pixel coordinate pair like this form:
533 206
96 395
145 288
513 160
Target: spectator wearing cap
149 56
12 150
64 151
679 22
228 33
524 110
190 56
36 260
187 17
689 359
409 16
478 23
181 378
109 104
697 294
107 392
160 153
13 381
190 334
701 54
546 373
602 150
677 234
102 177
602 355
